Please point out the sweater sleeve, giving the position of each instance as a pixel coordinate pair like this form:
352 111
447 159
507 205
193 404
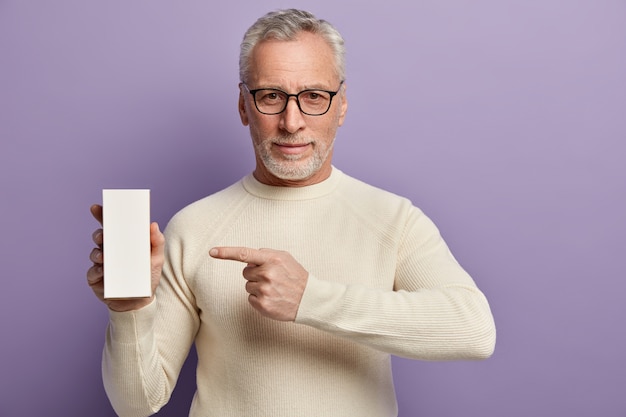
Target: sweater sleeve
434 312
145 349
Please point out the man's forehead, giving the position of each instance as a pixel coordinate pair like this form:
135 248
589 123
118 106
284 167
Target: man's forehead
305 62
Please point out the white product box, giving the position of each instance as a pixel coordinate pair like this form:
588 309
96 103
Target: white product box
126 233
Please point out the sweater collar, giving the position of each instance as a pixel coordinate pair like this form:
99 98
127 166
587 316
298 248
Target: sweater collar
270 192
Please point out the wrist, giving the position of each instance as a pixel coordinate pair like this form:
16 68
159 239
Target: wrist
121 306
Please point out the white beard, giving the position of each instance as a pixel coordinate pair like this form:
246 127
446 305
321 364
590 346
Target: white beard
293 167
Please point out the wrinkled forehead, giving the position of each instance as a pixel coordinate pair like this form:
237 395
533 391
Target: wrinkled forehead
305 60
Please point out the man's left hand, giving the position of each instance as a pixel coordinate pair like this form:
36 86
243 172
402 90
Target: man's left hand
275 280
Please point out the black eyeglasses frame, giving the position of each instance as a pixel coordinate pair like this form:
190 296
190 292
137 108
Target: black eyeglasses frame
297 97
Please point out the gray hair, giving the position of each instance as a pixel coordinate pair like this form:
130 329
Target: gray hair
285 25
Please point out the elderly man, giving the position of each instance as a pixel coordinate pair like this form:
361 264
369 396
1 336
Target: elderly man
337 275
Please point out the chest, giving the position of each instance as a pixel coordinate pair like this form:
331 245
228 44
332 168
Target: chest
332 246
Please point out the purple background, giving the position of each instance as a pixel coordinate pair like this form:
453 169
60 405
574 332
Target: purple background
503 120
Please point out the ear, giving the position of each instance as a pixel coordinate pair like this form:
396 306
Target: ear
344 105
243 114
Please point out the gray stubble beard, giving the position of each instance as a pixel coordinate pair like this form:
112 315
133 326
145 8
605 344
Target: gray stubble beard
294 172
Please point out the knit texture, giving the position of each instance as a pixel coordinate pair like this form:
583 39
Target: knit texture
381 281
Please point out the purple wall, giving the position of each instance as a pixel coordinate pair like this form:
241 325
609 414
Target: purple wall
504 120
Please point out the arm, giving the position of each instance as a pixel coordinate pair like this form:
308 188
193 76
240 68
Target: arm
435 311
147 340
446 323
145 349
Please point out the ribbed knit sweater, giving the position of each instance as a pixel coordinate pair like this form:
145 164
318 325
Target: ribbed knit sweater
381 281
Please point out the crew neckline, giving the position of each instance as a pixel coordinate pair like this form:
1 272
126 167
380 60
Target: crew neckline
308 192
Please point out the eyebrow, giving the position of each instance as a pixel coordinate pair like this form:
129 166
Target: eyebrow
311 87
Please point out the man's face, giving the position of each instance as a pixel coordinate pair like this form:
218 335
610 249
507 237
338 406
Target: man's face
291 148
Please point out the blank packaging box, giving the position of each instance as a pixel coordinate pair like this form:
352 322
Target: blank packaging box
126 233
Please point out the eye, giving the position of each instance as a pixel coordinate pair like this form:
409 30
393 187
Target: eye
269 96
314 96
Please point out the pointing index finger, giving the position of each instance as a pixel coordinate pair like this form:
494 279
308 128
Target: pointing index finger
236 253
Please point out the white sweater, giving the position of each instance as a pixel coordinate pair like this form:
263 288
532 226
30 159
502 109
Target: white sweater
381 281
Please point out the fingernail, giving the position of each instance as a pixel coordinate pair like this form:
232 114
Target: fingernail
213 252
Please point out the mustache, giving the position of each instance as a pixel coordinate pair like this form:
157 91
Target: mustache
291 139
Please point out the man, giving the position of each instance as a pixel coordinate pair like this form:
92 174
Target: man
350 275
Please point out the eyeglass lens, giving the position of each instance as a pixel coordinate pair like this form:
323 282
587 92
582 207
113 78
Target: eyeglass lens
313 102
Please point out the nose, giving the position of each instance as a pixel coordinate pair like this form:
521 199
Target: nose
291 119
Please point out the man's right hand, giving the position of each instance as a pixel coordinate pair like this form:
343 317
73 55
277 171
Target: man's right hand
95 274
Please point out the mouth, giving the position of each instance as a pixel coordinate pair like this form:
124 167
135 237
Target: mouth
292 148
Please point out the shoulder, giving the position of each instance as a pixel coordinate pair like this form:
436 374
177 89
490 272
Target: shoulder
202 213
392 215
377 209
369 198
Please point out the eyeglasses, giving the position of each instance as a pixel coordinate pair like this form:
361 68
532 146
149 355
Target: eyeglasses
310 102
